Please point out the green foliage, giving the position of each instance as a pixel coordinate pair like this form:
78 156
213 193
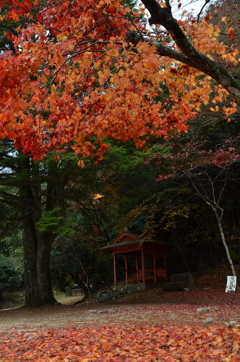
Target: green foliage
9 276
130 176
173 215
11 242
164 210
51 222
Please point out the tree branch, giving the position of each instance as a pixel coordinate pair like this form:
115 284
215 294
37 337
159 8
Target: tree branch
198 17
190 55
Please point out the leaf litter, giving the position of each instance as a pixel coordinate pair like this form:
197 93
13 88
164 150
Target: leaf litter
123 333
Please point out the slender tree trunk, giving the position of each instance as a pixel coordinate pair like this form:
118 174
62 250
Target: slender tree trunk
220 226
87 278
214 203
80 283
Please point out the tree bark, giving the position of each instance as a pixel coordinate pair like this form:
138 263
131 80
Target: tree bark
37 280
37 245
220 226
36 248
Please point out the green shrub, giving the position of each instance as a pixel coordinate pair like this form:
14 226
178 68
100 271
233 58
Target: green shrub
9 276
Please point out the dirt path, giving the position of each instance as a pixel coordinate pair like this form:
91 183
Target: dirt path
99 315
198 308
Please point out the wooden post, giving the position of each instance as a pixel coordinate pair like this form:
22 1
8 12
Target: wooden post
137 266
115 269
154 267
143 266
164 260
165 263
126 268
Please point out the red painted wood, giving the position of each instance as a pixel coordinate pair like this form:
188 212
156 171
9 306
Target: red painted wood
139 249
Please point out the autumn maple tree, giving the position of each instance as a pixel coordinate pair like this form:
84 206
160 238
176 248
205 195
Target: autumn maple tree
94 69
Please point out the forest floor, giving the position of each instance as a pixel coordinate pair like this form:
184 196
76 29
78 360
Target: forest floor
201 325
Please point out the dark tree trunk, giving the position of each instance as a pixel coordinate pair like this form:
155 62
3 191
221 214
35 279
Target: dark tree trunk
38 287
37 245
36 248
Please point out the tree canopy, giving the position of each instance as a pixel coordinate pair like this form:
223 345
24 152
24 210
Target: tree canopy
78 71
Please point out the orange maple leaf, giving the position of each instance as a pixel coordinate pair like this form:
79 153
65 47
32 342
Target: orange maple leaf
231 33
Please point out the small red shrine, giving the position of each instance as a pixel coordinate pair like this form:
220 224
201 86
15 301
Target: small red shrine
150 263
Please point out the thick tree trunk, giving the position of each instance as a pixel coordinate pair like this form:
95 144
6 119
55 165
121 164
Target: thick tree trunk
43 273
38 287
37 245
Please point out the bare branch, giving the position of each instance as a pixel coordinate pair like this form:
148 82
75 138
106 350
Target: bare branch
199 14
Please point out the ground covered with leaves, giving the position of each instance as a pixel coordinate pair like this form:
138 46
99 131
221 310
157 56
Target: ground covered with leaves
150 343
201 326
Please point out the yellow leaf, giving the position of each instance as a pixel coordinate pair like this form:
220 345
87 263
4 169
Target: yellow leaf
81 163
97 196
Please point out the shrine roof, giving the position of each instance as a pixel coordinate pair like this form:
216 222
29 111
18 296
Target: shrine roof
130 242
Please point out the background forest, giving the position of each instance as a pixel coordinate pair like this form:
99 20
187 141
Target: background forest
182 190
